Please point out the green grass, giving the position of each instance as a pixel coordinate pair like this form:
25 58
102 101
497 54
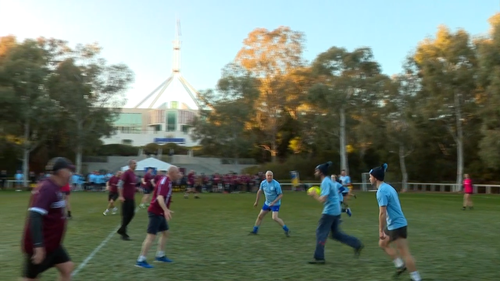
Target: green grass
209 240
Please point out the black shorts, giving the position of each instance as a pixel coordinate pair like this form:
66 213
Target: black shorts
147 190
397 233
156 224
198 188
112 196
32 271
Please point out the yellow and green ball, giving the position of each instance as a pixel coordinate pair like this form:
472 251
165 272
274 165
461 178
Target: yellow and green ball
314 189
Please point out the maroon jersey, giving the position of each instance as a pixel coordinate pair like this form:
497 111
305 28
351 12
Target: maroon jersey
129 181
191 179
47 200
164 188
157 179
147 179
113 184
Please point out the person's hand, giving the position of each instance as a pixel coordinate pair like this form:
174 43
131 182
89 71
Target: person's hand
38 255
255 204
168 214
382 235
121 198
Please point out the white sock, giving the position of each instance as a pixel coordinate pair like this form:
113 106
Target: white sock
141 258
160 254
398 262
415 276
107 210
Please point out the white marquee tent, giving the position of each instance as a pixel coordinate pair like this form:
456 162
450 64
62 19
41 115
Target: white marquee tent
150 162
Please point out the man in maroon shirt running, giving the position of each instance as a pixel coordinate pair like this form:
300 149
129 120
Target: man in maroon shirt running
159 214
112 187
46 225
126 191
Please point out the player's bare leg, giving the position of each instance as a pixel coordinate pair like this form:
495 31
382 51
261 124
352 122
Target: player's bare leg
409 261
258 221
111 206
277 219
162 241
144 200
65 270
393 254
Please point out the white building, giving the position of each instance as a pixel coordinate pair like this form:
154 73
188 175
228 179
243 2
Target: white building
164 115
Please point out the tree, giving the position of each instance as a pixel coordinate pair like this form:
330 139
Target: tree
27 110
224 126
270 56
447 67
489 81
398 117
90 92
346 82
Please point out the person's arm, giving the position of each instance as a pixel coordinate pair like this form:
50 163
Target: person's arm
36 229
257 198
382 216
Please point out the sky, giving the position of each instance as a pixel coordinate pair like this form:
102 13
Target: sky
140 33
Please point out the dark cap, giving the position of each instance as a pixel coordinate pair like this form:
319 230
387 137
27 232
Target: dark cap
323 168
58 163
379 172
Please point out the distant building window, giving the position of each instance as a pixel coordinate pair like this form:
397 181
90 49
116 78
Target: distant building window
174 105
127 142
171 121
185 128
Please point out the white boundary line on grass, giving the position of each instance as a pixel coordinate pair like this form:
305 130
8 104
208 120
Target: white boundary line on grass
96 250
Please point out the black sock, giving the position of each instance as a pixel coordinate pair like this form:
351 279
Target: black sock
69 213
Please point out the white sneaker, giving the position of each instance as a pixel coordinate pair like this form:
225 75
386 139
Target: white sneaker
105 213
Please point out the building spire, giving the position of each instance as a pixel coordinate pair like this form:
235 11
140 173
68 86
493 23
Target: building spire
177 49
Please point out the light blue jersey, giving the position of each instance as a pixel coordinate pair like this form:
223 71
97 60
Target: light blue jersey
388 197
271 191
332 203
346 180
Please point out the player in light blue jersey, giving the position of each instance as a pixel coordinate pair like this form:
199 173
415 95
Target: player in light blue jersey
330 218
273 194
343 192
392 224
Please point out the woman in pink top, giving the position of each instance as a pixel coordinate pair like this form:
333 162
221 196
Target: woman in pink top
468 190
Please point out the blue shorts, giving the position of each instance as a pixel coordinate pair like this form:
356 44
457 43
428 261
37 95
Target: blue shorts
274 208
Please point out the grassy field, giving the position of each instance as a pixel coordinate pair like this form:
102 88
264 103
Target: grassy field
209 240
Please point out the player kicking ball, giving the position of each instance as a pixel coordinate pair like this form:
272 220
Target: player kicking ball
159 214
392 225
273 193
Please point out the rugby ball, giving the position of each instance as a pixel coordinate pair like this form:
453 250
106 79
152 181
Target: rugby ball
314 189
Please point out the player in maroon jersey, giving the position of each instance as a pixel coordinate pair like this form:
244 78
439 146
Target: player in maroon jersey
46 224
112 188
159 214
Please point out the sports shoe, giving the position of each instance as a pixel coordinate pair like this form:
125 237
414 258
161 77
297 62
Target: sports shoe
163 259
143 264
287 233
348 211
315 261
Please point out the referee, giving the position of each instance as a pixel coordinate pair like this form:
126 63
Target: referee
126 190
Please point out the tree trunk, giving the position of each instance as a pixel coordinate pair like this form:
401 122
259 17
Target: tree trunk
343 154
79 147
26 153
402 164
78 161
459 141
273 150
235 147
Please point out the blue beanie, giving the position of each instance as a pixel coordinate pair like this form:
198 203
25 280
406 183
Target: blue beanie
323 168
379 172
